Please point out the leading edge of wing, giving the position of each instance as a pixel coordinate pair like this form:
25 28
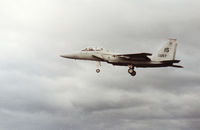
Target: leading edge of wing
136 56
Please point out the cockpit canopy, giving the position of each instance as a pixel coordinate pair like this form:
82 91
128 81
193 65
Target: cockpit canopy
93 49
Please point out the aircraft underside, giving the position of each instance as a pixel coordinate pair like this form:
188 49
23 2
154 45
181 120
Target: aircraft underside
142 65
132 65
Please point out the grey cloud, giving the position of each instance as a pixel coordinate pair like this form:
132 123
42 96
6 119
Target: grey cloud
40 90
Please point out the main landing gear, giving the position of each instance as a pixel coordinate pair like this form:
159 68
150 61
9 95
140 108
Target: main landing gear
131 70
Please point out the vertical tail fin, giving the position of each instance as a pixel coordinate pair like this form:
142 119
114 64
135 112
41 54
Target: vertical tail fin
167 52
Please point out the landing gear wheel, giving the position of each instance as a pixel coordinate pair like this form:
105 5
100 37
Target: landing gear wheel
131 70
97 70
133 74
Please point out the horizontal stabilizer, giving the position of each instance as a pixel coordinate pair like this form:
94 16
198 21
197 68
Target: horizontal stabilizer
171 61
178 66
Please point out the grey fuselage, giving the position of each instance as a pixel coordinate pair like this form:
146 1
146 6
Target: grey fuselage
105 56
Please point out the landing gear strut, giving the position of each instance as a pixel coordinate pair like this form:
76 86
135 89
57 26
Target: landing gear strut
131 70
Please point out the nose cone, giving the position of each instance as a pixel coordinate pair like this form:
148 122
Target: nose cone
70 56
62 56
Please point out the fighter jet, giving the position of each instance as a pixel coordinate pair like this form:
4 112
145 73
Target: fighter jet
164 58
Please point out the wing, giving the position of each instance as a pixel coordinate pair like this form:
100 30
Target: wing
137 56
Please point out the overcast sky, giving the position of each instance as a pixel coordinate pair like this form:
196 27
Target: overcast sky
41 91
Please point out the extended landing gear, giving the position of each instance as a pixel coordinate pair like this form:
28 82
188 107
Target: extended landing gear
131 70
98 65
97 70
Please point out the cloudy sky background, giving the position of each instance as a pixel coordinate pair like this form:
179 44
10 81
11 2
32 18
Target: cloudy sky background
41 91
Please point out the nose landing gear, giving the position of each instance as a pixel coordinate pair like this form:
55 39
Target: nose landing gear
131 70
98 65
97 70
